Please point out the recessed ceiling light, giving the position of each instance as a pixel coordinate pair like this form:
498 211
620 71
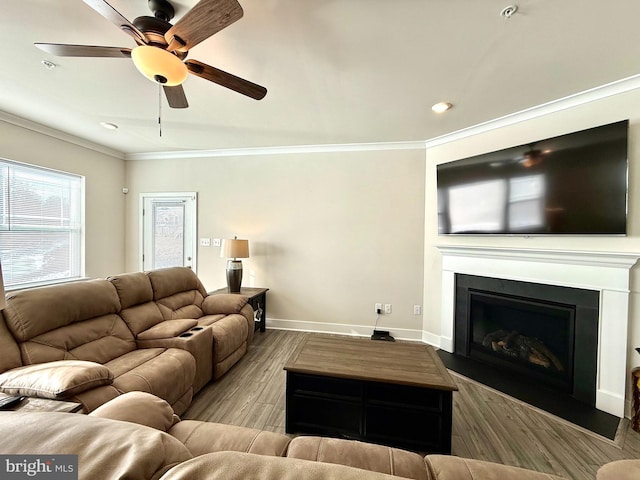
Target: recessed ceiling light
109 125
442 107
48 64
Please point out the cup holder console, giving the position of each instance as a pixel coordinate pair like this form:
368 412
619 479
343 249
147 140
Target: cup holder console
185 335
195 329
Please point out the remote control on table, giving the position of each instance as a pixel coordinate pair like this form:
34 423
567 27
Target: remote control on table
8 402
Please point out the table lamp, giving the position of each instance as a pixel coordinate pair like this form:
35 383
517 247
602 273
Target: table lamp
233 249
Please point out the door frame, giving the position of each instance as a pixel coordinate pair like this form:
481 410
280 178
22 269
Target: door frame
194 232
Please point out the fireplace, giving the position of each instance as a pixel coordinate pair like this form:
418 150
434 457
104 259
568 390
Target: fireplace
605 273
543 334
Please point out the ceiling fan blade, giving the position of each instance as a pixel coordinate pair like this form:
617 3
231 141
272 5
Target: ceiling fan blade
176 97
203 20
237 84
64 50
111 14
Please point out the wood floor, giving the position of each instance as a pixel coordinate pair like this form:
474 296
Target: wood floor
487 425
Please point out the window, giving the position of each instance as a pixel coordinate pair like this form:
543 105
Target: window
41 225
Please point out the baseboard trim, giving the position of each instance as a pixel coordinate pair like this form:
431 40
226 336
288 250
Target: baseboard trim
431 339
341 329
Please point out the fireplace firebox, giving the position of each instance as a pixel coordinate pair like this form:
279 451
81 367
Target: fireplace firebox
546 335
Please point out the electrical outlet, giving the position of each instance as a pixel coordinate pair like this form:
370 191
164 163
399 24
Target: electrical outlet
216 242
417 310
387 308
378 308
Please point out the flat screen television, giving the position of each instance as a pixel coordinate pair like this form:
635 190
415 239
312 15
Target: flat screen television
574 184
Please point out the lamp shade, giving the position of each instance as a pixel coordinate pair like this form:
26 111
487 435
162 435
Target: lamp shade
159 66
234 248
3 299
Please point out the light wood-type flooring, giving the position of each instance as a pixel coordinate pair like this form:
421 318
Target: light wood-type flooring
487 425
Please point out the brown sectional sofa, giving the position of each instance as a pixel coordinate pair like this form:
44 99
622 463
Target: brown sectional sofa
90 341
138 436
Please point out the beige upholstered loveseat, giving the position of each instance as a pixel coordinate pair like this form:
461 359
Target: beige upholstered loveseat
137 436
90 341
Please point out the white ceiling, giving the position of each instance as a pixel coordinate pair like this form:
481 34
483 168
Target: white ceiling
337 71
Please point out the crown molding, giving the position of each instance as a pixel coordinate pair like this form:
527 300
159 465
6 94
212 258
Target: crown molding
581 98
59 135
597 93
245 152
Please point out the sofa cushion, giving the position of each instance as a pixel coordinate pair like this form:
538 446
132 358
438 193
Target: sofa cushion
377 458
138 407
61 379
106 449
207 437
243 466
10 357
447 467
226 303
169 281
178 292
74 321
32 312
166 373
139 311
97 340
181 305
132 288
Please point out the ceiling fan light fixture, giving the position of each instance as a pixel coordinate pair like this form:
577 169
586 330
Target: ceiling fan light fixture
159 66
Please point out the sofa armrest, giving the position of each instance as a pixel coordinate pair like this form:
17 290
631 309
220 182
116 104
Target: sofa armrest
619 470
139 407
241 466
224 303
367 456
206 437
56 380
447 467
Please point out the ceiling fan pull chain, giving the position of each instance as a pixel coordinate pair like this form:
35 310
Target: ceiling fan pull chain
160 108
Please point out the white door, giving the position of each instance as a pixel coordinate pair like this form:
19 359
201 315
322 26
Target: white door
168 230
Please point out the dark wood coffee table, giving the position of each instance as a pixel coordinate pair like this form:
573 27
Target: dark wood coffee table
393 393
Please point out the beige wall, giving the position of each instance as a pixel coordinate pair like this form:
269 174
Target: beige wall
619 107
330 234
104 201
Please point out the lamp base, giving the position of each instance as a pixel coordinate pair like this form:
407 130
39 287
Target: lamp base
234 275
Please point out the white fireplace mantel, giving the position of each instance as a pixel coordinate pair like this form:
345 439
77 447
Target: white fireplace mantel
605 272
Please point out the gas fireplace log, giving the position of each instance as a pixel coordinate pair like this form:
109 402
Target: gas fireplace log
542 348
527 349
539 359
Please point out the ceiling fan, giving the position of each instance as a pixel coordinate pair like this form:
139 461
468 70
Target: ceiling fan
162 47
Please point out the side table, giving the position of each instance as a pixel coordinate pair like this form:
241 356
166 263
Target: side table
258 301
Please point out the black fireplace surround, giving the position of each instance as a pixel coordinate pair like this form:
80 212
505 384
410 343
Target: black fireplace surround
535 342
561 321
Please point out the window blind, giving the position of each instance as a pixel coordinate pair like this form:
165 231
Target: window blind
41 225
